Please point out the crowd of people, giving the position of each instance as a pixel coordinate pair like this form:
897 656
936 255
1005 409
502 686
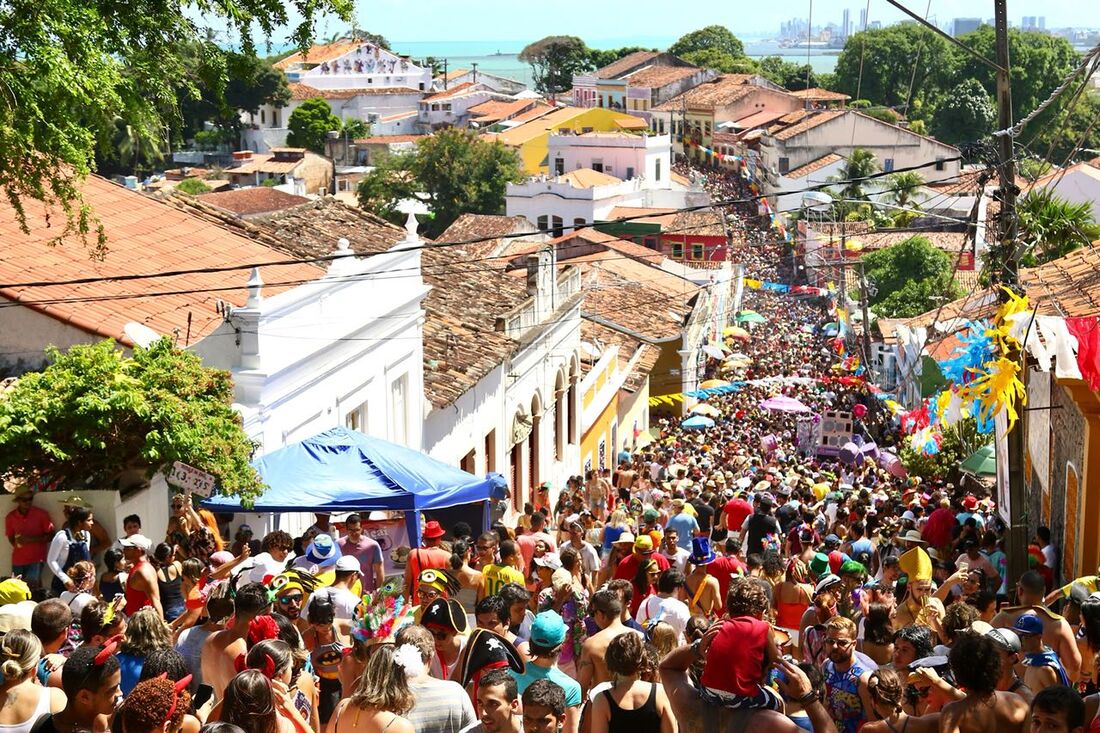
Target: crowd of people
724 578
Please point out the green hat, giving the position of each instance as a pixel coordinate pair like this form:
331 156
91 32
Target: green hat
851 567
819 565
650 515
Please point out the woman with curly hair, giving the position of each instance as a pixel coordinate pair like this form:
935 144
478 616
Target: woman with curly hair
155 706
976 665
146 633
380 700
630 703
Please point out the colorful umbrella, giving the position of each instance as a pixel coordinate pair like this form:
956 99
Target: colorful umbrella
750 317
782 403
714 383
707 409
698 422
982 462
738 333
713 351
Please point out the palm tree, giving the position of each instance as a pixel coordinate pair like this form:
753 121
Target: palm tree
1052 227
861 163
903 186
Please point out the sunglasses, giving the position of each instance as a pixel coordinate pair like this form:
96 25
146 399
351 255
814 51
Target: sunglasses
287 600
840 643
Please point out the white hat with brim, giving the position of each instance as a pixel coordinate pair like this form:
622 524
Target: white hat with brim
139 541
626 538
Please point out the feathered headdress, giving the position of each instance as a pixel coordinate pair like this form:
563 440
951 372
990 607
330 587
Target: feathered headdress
382 613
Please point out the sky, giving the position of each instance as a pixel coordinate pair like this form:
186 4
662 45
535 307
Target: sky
527 20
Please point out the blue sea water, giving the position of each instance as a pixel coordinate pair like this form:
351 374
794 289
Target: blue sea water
500 57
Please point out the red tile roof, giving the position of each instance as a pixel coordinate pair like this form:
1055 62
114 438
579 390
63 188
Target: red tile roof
624 65
388 139
659 76
143 236
453 91
301 92
254 200
818 94
718 92
319 53
808 121
486 227
494 111
814 166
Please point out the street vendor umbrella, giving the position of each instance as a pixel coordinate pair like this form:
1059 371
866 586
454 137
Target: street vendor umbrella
982 462
698 422
750 317
830 329
783 403
738 333
707 409
713 351
711 383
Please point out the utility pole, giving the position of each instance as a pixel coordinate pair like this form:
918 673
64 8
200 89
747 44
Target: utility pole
1016 544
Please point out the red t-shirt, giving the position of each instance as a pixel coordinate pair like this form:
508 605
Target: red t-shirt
628 568
735 660
736 511
724 568
35 522
525 543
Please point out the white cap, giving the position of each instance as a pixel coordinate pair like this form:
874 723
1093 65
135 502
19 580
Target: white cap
136 540
348 562
909 515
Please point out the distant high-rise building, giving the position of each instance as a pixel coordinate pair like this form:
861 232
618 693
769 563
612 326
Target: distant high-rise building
846 26
1042 22
863 19
962 26
1029 23
875 25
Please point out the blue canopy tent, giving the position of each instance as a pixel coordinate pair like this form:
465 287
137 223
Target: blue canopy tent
341 470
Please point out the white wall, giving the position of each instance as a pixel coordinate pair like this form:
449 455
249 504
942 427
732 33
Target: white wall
459 107
1078 186
644 154
25 333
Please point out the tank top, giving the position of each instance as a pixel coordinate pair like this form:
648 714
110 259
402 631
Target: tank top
842 696
135 599
1047 658
610 535
42 708
638 720
110 588
789 615
326 658
735 662
171 597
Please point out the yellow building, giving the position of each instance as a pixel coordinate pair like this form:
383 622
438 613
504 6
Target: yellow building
532 139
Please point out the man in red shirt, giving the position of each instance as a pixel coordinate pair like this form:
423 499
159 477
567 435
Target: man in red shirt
736 511
29 530
726 567
526 542
431 555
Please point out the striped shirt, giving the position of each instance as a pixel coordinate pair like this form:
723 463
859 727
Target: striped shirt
441 706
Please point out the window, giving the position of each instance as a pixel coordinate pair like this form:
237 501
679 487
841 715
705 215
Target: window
697 251
629 172
784 165
585 130
399 410
357 418
706 128
263 117
491 451
275 118
677 251
435 108
940 164
661 126
557 226
559 166
650 242
542 223
603 453
578 223
657 174
597 165
447 107
888 165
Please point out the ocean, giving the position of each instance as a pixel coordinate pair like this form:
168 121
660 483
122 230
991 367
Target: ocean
500 57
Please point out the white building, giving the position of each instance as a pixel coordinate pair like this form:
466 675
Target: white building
593 173
358 80
1078 184
451 108
500 84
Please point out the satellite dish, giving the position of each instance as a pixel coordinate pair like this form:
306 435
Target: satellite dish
140 334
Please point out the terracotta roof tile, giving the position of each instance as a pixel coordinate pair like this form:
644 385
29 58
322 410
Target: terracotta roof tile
814 166
254 200
806 122
659 76
581 243
462 88
1068 286
588 178
645 300
819 94
388 139
949 242
494 111
624 65
966 184
703 223
144 235
663 217
301 92
488 227
719 92
319 53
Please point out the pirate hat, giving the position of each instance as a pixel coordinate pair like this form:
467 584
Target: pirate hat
445 613
484 651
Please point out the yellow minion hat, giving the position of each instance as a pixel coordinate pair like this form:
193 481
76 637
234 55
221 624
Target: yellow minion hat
916 564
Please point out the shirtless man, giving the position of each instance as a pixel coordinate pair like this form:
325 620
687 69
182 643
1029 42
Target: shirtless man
1057 633
694 716
221 649
977 667
607 609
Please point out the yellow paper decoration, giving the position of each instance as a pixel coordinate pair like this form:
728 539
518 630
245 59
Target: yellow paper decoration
754 284
998 387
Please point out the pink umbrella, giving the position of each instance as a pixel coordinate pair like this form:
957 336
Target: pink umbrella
783 403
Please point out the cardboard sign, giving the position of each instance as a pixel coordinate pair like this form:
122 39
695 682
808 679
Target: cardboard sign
191 479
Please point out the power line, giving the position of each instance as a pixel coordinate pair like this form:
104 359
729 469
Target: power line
460 243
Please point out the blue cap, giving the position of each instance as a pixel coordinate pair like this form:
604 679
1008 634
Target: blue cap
1028 625
547 630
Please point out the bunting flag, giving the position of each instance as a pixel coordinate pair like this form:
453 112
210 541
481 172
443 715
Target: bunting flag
754 284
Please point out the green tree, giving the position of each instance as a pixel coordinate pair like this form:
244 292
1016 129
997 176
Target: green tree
192 186
910 278
1032 168
354 128
860 164
716 37
310 124
710 58
253 83
94 414
958 443
598 58
788 75
1052 227
965 114
458 171
69 70
358 34
554 60
903 186
878 64
1067 135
